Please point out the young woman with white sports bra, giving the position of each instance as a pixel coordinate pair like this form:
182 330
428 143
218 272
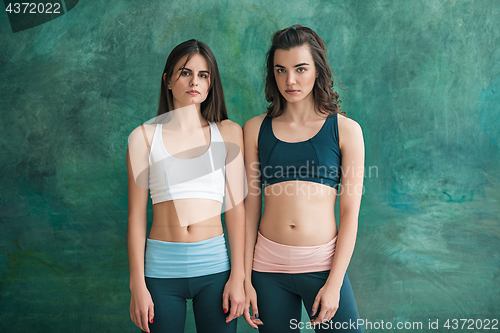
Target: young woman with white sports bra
190 157
298 153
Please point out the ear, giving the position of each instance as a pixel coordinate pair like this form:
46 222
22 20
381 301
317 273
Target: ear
165 80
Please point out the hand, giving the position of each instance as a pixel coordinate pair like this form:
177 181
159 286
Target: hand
142 308
328 297
233 298
251 300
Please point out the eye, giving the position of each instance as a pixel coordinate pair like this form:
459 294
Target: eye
185 73
301 69
204 76
280 70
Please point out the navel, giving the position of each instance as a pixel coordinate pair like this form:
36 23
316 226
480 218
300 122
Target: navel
292 225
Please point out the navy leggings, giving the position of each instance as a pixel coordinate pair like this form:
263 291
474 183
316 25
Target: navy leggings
280 295
169 298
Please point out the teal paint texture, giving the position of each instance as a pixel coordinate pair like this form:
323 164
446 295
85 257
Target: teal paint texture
421 77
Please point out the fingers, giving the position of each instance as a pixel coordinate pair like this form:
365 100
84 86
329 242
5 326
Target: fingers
140 319
326 314
255 310
225 302
246 316
253 321
141 310
151 313
144 321
241 308
232 314
135 315
315 306
144 317
321 315
249 320
332 313
236 309
255 318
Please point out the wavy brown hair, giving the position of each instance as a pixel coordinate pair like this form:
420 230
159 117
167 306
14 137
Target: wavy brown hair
326 100
213 108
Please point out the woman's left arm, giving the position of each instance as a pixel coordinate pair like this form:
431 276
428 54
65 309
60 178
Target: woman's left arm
234 293
353 158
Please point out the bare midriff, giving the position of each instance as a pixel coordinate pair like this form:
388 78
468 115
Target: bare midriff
299 213
186 220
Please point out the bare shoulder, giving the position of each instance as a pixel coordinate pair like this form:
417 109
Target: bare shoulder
252 125
230 131
348 126
229 126
138 132
349 131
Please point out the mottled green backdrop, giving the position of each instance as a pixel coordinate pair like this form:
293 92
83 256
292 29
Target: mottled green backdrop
422 77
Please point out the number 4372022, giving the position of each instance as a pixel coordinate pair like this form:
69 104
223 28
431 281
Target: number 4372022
33 8
470 324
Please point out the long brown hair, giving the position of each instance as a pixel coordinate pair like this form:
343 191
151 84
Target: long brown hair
325 99
213 108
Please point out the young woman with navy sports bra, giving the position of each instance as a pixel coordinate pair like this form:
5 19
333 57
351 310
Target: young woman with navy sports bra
190 157
298 153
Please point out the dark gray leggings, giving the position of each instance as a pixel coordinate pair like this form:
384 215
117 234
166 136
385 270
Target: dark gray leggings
169 298
280 296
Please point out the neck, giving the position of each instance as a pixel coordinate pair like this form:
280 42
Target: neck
187 117
300 111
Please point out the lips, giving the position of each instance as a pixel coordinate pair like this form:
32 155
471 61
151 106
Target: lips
193 92
292 91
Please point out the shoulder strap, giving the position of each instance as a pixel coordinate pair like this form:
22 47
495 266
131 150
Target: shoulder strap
264 127
145 137
215 134
335 125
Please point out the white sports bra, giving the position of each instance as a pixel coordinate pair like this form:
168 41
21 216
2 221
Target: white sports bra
202 177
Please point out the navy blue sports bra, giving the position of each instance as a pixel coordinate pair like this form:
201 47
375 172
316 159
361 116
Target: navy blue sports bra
315 160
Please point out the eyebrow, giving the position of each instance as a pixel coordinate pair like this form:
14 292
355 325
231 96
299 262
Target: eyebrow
299 65
187 69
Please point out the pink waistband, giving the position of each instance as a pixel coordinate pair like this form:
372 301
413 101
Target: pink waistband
274 257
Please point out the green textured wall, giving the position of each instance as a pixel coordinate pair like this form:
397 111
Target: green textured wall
421 77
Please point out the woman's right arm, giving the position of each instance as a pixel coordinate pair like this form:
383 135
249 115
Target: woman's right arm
141 303
253 209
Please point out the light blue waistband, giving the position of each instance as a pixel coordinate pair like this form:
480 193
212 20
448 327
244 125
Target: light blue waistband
181 260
